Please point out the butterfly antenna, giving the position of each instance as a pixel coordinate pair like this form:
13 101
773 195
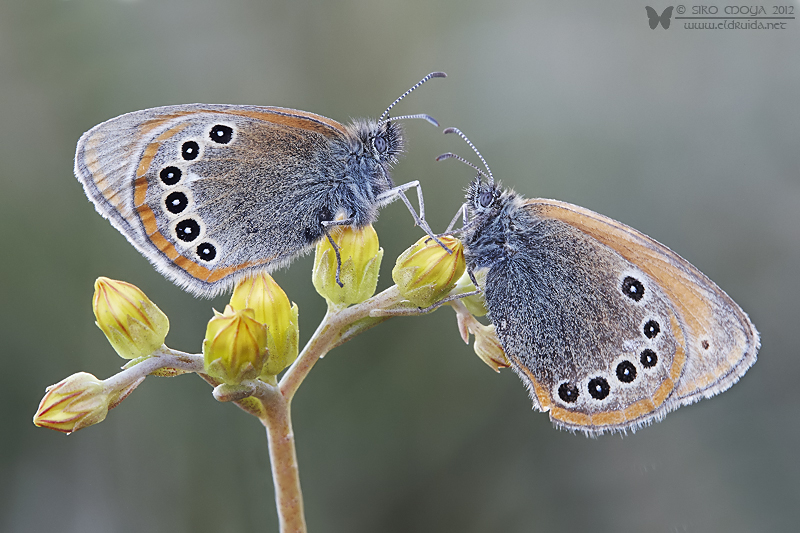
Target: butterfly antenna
420 82
450 155
403 117
458 131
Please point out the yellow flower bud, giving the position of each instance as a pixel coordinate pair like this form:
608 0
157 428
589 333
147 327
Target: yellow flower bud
271 307
475 304
361 261
425 273
133 324
487 346
73 403
235 346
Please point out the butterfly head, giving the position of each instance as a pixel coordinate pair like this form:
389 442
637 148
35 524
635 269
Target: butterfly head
380 141
483 197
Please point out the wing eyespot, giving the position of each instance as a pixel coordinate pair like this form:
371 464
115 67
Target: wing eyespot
568 392
648 358
170 175
633 288
190 150
651 329
187 230
599 389
206 252
626 371
176 202
221 134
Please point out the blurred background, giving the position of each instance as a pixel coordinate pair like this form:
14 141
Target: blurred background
689 136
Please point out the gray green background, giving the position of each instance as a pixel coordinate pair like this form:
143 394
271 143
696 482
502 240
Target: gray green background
689 136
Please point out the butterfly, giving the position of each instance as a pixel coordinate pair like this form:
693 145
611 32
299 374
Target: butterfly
212 193
608 329
654 18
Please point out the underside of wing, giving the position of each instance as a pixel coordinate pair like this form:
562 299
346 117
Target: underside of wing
208 191
712 341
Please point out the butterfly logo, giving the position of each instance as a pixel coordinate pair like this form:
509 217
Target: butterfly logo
654 18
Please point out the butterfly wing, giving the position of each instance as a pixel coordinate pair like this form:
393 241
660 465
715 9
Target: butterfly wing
210 192
610 329
665 17
652 17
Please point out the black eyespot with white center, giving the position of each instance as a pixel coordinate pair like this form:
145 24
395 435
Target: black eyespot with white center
651 329
648 358
380 144
170 175
633 288
190 150
221 134
176 202
599 388
207 251
626 371
187 230
568 392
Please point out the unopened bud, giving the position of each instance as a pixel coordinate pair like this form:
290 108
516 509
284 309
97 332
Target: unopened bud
361 260
425 273
235 346
73 403
487 346
271 307
133 324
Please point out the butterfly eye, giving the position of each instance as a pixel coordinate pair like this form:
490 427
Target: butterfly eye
486 198
380 144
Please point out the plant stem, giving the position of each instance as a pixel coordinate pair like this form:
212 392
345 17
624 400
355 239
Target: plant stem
327 336
283 461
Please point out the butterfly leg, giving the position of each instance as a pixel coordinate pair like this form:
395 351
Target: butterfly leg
437 305
461 211
419 220
325 225
413 311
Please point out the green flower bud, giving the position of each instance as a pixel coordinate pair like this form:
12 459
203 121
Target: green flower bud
133 324
272 308
235 346
487 346
361 261
73 403
425 273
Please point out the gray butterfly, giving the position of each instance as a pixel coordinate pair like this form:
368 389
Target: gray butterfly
609 329
212 193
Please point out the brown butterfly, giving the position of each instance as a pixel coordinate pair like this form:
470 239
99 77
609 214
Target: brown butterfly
609 329
212 193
